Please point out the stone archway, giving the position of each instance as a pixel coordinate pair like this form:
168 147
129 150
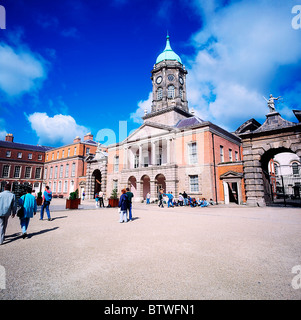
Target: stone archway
97 181
145 185
160 182
274 136
132 184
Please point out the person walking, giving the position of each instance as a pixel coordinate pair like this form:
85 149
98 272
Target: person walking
96 200
130 196
185 197
47 196
100 199
28 201
8 206
161 199
123 205
170 197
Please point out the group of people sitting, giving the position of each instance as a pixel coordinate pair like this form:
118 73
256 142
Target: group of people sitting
183 200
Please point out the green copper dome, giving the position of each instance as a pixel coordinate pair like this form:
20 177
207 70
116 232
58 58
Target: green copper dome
168 53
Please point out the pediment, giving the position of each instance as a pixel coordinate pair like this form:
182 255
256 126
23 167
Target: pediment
148 130
231 174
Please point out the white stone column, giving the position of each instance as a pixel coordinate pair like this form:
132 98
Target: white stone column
168 151
153 151
140 155
125 159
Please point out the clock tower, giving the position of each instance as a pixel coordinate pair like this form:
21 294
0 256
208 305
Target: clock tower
169 104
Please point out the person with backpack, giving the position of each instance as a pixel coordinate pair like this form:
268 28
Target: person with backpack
47 196
29 203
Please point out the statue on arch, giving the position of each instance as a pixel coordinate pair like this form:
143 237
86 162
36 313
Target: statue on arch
271 102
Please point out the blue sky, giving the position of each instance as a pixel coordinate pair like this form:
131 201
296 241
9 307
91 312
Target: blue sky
71 67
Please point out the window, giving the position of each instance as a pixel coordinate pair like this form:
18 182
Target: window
51 170
57 154
75 151
236 156
38 173
194 183
181 93
116 164
136 161
54 186
17 172
45 173
47 157
52 157
115 184
19 155
230 155
55 172
171 92
28 172
63 153
68 153
192 153
65 186
73 170
145 161
88 151
159 158
5 171
40 157
67 171
159 94
30 156
61 171
221 148
295 168
60 187
8 154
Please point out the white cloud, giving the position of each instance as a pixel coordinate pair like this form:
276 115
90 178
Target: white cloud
244 51
142 106
58 129
21 70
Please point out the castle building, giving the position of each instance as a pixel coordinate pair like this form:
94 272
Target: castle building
65 167
21 164
173 149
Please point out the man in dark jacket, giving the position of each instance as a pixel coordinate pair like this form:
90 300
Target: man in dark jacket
130 196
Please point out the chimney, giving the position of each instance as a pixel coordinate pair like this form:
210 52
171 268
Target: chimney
88 136
9 137
77 139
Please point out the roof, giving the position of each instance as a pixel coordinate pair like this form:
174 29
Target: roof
14 145
189 122
168 53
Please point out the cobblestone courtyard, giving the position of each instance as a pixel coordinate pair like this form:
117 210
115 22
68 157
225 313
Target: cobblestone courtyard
177 253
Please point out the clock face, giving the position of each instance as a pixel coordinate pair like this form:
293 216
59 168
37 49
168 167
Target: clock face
159 80
181 80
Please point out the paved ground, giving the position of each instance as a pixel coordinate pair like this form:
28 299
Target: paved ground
181 253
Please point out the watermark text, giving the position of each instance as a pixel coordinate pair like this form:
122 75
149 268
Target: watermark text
296 21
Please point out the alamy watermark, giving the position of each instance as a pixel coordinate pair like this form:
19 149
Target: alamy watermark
296 282
2 278
2 17
296 21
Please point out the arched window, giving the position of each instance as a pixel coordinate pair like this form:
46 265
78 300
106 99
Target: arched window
295 168
181 93
159 94
171 92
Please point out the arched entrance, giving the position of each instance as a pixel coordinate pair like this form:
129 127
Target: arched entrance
276 135
145 182
281 172
132 184
160 183
97 181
